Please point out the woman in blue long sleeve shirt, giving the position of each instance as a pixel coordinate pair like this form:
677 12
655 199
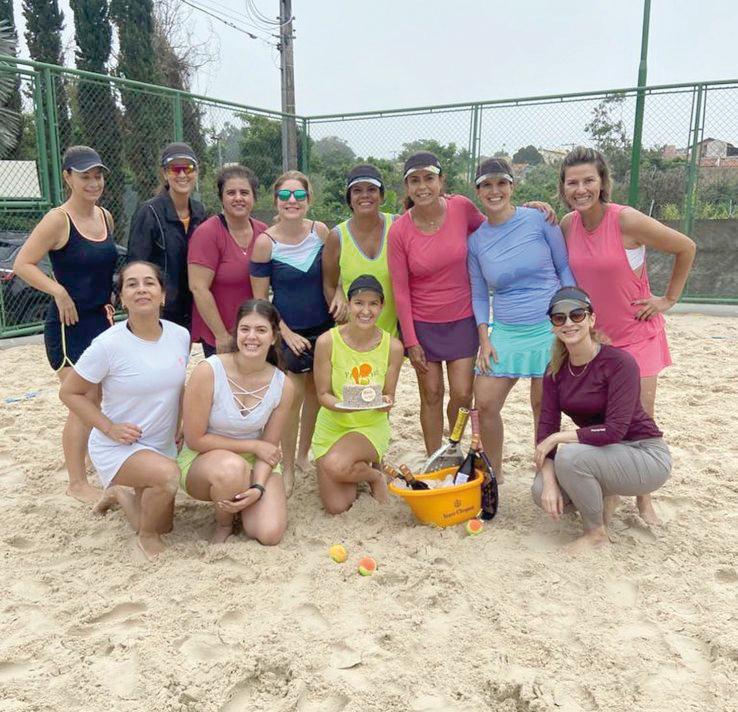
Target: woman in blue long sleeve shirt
521 259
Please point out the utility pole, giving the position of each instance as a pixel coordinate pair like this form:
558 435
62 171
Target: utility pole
635 158
287 71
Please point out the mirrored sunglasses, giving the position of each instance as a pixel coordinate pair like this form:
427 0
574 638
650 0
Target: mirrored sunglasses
188 169
285 194
577 316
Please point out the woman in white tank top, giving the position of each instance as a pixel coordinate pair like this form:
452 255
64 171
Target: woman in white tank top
235 408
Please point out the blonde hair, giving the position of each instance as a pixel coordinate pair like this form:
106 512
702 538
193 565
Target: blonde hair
559 354
580 156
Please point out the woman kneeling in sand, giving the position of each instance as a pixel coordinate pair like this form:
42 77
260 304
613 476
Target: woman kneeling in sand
235 408
617 448
141 365
346 443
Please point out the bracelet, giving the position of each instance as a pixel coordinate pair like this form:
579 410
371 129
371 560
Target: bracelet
261 489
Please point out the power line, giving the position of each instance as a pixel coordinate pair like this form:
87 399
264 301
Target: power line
225 22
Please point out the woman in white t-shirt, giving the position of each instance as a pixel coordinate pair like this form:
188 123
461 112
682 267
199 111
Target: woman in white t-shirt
235 408
140 364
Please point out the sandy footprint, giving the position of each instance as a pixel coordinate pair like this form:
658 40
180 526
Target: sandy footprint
311 618
13 669
120 613
202 648
30 589
335 702
119 674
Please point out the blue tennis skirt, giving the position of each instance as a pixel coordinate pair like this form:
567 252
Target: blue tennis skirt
523 350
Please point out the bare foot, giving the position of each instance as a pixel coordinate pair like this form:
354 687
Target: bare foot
378 486
107 500
646 510
222 533
593 539
288 480
151 545
84 492
303 464
610 504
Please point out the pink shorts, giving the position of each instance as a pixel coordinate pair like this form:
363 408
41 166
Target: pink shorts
651 355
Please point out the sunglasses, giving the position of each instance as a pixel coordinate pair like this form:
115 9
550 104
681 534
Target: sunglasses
188 169
285 194
577 316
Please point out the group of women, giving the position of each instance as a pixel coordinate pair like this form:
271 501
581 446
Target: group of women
271 384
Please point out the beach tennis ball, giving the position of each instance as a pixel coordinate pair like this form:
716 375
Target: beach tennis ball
474 527
367 566
338 553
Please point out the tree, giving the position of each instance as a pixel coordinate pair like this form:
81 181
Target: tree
454 162
609 135
44 23
97 113
148 117
332 149
179 56
527 154
10 101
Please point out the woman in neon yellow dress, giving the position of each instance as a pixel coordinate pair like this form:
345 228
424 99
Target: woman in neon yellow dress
345 444
359 246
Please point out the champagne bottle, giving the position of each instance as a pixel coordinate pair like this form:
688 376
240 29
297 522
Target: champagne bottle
450 454
490 493
466 470
410 479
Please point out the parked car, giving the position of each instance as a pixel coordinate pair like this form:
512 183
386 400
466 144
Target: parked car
21 304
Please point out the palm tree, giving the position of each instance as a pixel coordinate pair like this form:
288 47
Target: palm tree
9 119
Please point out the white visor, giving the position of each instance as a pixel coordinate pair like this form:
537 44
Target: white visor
430 169
371 181
483 178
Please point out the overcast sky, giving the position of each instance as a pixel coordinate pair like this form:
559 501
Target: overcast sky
354 56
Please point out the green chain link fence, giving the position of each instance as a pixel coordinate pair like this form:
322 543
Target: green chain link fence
688 171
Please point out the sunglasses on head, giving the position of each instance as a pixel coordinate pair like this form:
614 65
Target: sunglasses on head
285 194
577 316
188 169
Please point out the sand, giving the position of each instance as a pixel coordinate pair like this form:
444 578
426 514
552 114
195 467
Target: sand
502 621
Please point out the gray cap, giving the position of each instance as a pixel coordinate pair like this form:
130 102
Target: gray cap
493 167
175 151
82 158
572 296
365 283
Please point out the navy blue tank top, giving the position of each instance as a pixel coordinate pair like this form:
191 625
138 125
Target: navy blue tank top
296 273
85 269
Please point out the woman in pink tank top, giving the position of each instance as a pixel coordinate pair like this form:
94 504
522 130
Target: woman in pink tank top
606 244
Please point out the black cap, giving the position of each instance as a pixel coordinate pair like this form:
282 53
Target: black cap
423 160
175 151
81 159
365 283
577 297
364 173
493 167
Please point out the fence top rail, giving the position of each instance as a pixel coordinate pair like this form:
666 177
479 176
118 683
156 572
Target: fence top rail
548 98
8 60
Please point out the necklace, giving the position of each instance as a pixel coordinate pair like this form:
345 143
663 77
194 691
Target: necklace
576 375
427 223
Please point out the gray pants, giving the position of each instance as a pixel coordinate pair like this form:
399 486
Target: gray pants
587 473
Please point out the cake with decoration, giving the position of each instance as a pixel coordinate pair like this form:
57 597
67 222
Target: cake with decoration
362 396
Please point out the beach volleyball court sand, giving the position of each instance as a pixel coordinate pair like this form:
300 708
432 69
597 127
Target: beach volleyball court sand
449 623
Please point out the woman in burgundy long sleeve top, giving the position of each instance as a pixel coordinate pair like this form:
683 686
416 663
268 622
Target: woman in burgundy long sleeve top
617 448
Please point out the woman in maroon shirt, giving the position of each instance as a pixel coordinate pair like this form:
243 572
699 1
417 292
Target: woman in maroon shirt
219 259
617 448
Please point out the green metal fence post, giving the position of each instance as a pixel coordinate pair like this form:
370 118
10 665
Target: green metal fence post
635 155
474 143
690 196
42 157
178 121
53 129
305 147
